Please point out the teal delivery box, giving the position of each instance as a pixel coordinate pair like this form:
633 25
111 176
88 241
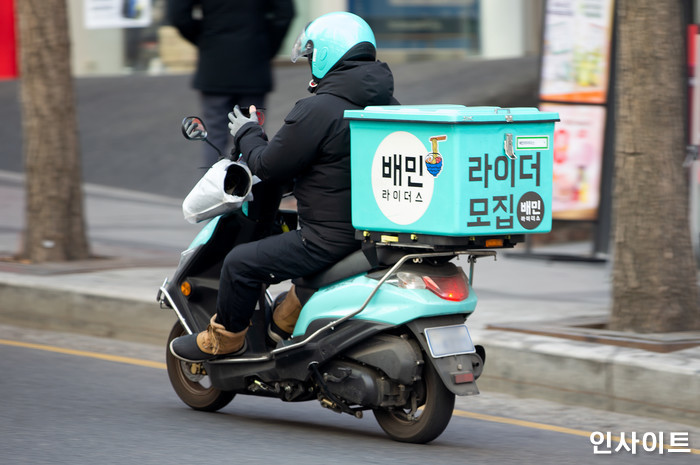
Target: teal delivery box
435 171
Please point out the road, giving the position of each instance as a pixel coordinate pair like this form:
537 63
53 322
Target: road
83 400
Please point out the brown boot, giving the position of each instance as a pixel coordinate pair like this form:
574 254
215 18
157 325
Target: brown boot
285 317
210 343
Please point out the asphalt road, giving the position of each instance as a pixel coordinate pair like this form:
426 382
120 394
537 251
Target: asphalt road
82 400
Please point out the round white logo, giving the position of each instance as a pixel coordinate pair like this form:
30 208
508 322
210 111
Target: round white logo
401 183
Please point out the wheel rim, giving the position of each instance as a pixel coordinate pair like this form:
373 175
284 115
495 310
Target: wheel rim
426 418
194 377
411 415
190 381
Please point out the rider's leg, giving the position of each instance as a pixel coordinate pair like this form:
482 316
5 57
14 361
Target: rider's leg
245 269
270 260
284 317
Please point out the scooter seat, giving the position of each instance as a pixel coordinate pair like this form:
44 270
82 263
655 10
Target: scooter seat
351 265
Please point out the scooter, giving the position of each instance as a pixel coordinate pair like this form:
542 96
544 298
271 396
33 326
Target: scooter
383 329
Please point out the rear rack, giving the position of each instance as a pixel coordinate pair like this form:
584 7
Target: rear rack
434 242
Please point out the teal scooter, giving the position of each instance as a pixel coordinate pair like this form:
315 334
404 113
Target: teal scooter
382 330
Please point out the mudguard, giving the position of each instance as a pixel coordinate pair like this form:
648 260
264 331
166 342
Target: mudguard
458 372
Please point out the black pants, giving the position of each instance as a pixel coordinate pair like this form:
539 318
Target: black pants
270 260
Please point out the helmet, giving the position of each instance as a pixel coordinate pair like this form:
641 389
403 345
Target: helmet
328 39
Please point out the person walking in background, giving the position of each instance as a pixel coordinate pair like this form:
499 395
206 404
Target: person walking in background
236 40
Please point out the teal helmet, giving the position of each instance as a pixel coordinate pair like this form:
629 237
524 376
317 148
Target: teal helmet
333 38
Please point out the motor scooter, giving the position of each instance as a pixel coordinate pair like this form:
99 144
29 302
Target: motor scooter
383 329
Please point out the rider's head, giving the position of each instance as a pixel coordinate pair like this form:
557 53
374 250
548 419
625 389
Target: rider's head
333 38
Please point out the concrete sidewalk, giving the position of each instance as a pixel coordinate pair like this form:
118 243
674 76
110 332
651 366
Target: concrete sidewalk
530 312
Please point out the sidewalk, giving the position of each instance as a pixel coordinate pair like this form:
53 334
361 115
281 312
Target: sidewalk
523 303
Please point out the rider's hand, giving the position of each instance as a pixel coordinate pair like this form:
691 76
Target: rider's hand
238 119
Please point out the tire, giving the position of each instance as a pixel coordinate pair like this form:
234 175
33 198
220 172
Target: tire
192 388
438 403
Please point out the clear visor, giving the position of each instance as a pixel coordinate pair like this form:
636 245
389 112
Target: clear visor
302 47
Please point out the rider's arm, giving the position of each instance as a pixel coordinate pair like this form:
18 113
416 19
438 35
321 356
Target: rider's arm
293 148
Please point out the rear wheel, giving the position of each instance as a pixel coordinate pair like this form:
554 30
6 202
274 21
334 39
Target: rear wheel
190 381
413 423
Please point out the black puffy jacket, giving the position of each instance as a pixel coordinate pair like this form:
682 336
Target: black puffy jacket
236 39
313 148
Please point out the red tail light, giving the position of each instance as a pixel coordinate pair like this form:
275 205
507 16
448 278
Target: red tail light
453 288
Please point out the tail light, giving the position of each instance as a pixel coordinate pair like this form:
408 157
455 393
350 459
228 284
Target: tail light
453 287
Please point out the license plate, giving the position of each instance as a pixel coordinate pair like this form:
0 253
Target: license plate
444 341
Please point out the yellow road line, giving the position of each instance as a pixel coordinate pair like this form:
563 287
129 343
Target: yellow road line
459 413
84 353
527 424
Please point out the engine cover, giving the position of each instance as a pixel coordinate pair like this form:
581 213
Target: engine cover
377 372
400 358
356 384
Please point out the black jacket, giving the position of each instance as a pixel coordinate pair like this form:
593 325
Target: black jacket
313 148
236 40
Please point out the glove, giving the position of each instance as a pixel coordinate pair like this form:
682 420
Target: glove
238 119
194 130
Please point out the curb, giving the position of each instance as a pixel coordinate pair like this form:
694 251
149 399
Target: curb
95 315
601 376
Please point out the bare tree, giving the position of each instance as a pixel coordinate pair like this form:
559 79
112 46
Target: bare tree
54 226
654 276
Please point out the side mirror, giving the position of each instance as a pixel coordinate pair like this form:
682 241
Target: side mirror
193 128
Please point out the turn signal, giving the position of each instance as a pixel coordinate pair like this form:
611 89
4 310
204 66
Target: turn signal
410 280
186 288
494 243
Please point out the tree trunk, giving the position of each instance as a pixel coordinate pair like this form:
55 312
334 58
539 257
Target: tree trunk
654 275
54 226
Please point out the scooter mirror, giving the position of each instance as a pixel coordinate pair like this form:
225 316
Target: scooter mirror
193 128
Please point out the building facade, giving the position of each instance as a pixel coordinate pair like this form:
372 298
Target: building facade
111 37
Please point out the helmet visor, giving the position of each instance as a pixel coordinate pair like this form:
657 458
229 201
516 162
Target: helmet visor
303 47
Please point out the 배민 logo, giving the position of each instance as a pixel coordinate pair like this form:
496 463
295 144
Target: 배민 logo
401 182
530 210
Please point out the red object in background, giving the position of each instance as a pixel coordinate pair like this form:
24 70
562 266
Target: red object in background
691 59
692 32
8 40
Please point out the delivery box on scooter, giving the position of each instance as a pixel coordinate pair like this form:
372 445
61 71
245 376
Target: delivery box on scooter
428 173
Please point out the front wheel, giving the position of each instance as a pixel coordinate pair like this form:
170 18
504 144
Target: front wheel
420 426
191 382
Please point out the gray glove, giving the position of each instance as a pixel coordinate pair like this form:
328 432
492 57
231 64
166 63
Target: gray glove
194 130
238 119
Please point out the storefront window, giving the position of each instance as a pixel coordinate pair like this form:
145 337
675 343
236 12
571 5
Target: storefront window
422 24
141 44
